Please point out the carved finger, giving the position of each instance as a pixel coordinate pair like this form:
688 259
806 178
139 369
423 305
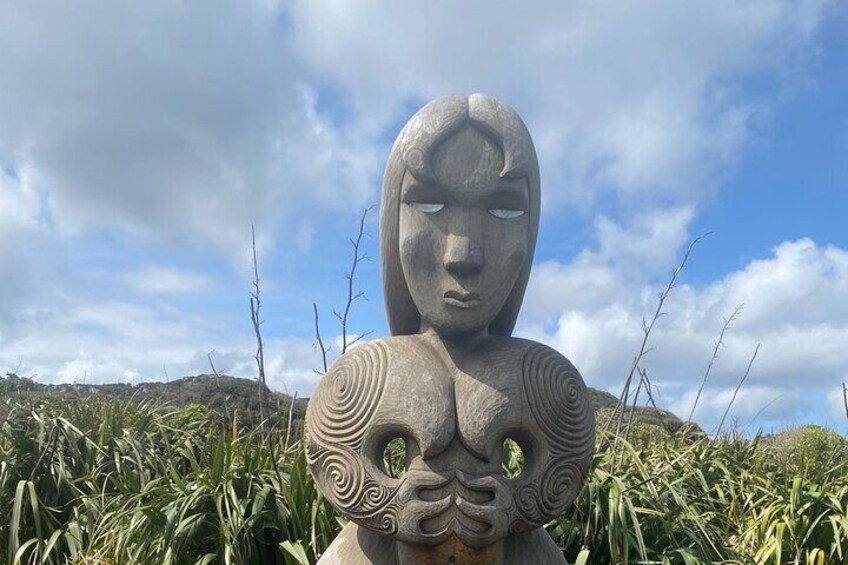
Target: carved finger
484 483
495 518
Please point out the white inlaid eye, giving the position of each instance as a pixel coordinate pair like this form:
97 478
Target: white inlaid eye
427 207
506 214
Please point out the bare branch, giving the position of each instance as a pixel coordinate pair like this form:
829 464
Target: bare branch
642 377
718 344
288 427
218 375
736 391
351 294
647 328
211 364
320 342
359 337
649 387
766 407
845 398
255 306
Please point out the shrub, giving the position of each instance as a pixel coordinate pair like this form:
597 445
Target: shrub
100 480
807 450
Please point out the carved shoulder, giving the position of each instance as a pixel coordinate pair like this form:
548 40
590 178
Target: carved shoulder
347 397
558 399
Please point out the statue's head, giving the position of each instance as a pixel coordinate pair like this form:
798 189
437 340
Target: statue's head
460 214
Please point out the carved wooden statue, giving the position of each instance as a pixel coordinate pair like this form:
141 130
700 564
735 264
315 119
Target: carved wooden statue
460 214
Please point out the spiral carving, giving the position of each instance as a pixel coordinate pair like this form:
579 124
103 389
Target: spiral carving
559 402
560 486
344 480
546 498
344 475
349 395
527 501
386 520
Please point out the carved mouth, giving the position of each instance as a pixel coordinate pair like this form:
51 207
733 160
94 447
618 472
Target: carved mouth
462 299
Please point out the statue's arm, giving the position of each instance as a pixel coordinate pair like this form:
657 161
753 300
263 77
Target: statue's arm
557 398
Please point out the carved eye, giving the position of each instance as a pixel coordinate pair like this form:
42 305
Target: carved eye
505 214
427 207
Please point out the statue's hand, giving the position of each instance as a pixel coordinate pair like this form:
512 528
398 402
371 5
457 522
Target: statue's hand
488 503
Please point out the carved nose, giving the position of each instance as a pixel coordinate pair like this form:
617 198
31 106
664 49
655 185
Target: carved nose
463 258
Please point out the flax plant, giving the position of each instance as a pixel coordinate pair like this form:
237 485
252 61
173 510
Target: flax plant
101 481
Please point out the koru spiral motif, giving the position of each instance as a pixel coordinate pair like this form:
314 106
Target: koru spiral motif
338 416
347 397
559 402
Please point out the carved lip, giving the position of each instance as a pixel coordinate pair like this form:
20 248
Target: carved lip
462 299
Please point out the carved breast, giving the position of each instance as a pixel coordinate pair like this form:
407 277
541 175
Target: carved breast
454 414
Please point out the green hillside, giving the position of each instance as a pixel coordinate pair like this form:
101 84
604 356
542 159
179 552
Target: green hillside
225 396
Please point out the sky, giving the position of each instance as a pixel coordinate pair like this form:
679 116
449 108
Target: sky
139 142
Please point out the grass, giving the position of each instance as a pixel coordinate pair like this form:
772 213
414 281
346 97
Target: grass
107 481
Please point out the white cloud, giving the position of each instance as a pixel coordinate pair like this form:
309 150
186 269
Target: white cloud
646 98
802 282
20 206
21 226
795 306
124 341
192 122
290 364
171 123
755 406
626 257
156 279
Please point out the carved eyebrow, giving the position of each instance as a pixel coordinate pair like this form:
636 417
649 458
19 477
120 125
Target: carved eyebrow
419 192
508 197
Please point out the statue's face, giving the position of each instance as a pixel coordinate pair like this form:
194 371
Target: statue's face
464 238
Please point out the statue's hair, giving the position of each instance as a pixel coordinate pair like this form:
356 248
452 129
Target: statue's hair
412 153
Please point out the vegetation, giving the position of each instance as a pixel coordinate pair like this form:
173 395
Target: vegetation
222 395
102 478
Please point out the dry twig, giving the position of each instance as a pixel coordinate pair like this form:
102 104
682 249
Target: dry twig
352 295
218 375
320 342
647 328
845 398
211 364
644 382
255 306
736 390
288 427
718 344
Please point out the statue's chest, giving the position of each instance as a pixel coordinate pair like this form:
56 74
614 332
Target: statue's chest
477 403
453 413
